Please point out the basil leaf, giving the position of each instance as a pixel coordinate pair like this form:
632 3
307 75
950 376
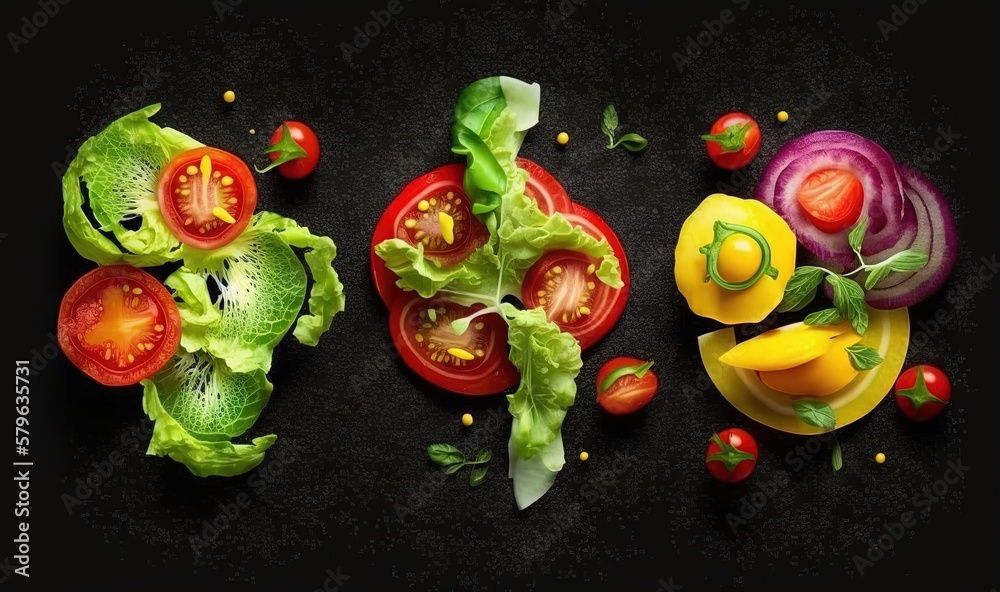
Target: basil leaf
863 357
484 455
838 455
445 454
453 468
801 288
827 316
815 413
849 299
907 261
632 142
477 475
609 122
876 275
857 235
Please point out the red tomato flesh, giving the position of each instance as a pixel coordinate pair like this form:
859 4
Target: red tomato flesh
545 189
564 284
119 325
474 363
832 199
628 393
207 197
416 216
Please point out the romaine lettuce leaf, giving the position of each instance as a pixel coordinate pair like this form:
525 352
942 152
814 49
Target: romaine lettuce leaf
262 286
119 167
198 405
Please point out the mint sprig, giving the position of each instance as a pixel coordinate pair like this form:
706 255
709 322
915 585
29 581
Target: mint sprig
609 124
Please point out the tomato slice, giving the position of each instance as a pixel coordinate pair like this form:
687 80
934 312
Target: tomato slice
564 284
832 199
119 325
207 197
474 363
545 189
432 210
628 393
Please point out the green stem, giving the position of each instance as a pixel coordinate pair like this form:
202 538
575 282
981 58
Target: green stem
724 230
732 139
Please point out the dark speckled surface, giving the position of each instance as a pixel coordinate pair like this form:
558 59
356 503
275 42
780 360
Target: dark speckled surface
347 489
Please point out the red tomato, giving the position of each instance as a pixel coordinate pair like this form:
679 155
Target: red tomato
207 197
564 284
922 392
731 455
119 325
620 388
545 189
440 193
733 140
305 137
474 363
832 199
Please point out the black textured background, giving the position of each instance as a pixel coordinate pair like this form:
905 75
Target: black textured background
642 513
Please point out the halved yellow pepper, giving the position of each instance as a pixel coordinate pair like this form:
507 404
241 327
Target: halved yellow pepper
823 376
785 347
708 298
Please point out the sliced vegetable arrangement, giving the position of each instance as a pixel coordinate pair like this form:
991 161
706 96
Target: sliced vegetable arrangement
202 349
458 242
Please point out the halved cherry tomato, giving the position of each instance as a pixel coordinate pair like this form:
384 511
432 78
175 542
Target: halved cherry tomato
565 285
473 363
922 392
305 137
432 210
733 140
832 199
119 325
625 385
731 455
544 188
207 197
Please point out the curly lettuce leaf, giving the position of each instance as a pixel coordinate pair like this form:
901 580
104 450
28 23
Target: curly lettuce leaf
262 287
119 167
197 405
476 274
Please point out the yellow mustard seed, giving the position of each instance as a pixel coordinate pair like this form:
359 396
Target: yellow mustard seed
584 455
562 138
782 116
467 419
229 96
880 457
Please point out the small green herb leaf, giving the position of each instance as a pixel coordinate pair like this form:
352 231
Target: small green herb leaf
837 458
876 275
827 316
815 413
632 142
445 454
857 235
477 475
609 123
801 288
287 149
863 357
907 261
849 299
484 455
453 468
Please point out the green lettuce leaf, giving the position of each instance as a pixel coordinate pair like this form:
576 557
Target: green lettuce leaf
119 167
549 361
477 274
533 476
262 287
197 404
